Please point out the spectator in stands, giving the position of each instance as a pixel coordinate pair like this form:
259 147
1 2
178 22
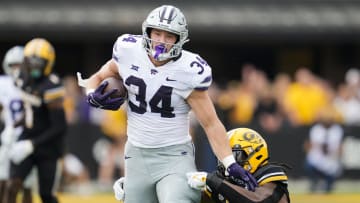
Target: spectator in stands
347 100
348 104
352 78
304 98
244 100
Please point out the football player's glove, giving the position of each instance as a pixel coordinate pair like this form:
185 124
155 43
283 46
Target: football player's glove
236 171
119 189
197 180
20 150
103 100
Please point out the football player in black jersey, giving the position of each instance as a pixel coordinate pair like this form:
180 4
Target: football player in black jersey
251 152
42 142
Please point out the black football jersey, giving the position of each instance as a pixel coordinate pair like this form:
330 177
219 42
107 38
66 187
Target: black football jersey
44 122
223 190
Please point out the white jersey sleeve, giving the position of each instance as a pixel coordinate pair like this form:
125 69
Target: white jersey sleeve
194 73
124 46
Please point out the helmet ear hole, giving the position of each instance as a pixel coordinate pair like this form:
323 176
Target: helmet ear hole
259 157
148 31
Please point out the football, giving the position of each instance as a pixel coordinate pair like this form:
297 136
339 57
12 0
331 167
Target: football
115 83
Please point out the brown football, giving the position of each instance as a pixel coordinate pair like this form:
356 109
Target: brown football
115 83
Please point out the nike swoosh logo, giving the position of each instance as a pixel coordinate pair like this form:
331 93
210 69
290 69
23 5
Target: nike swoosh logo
168 79
127 157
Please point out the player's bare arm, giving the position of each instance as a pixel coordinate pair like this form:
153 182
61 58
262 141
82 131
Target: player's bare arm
204 110
109 69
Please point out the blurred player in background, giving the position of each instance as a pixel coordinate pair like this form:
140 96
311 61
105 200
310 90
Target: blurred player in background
13 112
323 150
251 152
164 82
41 143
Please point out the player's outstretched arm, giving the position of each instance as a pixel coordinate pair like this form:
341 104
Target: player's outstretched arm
204 110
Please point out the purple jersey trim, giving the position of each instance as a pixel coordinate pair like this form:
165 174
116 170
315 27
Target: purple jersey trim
201 88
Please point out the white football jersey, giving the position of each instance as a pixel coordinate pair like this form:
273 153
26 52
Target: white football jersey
158 114
13 107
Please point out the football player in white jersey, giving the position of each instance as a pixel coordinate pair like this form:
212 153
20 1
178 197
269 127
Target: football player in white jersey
12 112
12 109
164 82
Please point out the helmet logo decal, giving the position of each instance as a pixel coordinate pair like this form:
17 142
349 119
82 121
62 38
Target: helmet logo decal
253 138
170 16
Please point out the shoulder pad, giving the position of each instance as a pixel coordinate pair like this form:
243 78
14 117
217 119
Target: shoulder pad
53 89
54 94
270 173
125 41
197 71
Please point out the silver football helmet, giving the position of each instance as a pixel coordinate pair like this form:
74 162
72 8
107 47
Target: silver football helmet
168 18
13 56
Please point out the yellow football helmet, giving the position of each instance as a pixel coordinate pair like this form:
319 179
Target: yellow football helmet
249 148
39 57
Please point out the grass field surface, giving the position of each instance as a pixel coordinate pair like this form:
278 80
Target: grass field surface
346 191
295 198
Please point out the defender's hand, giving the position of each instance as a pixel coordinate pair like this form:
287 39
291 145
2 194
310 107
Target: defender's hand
197 180
20 150
99 99
119 189
236 171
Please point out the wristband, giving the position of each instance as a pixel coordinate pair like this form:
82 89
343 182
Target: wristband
227 161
